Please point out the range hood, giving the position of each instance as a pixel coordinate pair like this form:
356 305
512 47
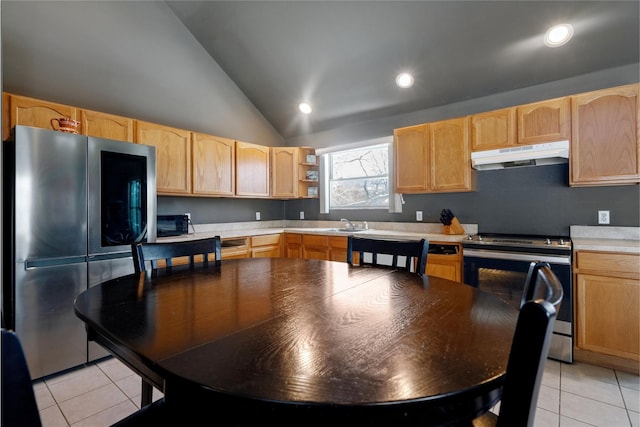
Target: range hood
548 153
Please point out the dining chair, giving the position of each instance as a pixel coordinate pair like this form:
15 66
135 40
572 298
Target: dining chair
167 254
173 253
529 350
410 255
19 407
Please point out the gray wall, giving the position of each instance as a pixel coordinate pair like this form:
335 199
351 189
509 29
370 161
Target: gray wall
136 59
363 131
524 200
529 200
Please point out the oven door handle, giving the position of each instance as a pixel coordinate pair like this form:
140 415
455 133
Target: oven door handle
478 253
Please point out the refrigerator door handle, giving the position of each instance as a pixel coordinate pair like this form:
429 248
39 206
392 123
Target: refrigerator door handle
50 262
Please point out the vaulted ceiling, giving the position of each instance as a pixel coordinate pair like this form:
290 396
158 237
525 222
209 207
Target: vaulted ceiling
342 57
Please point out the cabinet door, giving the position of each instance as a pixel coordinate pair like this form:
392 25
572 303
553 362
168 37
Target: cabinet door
608 315
101 125
544 121
266 246
315 246
214 165
173 156
293 245
252 170
411 159
34 112
450 165
493 129
605 146
284 172
450 271
338 248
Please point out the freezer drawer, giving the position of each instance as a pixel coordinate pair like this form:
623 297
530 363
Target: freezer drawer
53 338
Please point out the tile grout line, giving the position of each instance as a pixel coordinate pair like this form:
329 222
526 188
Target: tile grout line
630 414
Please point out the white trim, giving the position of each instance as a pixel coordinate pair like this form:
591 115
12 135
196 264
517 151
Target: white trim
395 199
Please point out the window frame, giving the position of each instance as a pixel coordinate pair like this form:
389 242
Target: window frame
395 200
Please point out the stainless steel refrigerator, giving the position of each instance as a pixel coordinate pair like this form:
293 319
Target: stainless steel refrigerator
72 207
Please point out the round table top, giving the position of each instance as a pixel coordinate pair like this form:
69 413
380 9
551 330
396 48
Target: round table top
309 333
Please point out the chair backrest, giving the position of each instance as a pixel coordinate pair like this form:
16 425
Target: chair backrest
19 406
410 255
530 347
150 253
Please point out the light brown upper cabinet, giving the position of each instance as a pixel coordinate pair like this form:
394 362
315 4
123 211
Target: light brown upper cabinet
493 129
544 121
433 157
214 164
173 156
102 125
411 157
252 170
605 147
284 172
450 164
21 110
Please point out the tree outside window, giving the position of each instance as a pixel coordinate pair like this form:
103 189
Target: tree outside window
359 178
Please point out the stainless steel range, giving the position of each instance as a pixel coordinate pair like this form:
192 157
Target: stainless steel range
498 263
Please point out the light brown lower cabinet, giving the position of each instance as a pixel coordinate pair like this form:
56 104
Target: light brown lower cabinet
315 246
337 248
292 245
267 246
445 266
607 307
334 248
235 248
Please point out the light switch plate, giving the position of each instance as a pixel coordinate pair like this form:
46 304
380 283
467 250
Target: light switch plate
301 214
418 215
257 216
603 217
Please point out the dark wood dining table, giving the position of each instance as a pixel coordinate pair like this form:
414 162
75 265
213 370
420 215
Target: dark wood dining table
307 340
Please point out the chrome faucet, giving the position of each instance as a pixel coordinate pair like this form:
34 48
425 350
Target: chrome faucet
348 225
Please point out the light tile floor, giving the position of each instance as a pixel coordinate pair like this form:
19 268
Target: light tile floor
576 395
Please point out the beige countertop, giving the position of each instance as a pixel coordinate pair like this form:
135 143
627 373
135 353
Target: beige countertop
609 239
431 231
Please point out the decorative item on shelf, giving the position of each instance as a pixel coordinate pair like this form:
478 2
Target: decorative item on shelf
450 222
311 159
312 192
65 124
311 175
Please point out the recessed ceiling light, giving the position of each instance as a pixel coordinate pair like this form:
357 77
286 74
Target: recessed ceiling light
558 35
404 80
305 108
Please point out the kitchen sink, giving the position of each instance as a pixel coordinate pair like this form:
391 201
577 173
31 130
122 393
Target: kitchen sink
348 230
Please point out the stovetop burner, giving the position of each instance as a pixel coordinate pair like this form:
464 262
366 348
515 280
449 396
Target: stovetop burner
495 240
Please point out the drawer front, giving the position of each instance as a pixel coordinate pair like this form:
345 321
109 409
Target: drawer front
268 239
608 263
338 242
293 238
315 240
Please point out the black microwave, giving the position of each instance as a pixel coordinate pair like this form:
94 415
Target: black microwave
172 225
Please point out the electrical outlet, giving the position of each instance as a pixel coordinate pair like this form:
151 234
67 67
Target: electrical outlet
301 214
188 215
257 216
418 215
603 217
